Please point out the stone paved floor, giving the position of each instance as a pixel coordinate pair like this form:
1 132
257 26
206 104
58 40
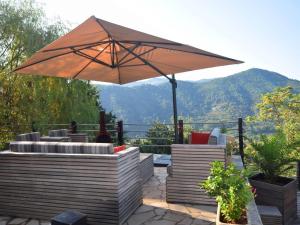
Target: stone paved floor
156 211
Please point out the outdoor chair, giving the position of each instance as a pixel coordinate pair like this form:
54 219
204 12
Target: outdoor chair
190 166
42 179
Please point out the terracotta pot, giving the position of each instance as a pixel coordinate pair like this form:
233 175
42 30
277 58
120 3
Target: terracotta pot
218 222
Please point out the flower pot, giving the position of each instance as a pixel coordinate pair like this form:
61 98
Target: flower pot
283 196
218 219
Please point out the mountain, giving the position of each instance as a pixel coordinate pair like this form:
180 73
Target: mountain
213 99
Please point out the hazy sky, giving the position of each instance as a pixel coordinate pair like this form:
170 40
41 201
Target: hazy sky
264 34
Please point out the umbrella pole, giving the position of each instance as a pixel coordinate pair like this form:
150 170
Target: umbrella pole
174 86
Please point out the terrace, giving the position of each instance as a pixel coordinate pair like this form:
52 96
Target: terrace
156 209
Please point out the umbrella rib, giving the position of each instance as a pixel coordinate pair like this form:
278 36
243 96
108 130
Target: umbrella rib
82 54
43 60
118 68
75 46
103 27
77 74
128 60
145 61
128 53
197 53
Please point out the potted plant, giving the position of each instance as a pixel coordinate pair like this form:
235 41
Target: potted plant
272 156
232 192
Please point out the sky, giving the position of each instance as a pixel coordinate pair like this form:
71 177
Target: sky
263 34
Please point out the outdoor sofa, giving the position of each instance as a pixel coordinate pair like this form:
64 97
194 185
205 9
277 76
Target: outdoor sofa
43 179
191 166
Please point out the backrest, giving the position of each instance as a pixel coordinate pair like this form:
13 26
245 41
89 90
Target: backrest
33 136
58 133
62 147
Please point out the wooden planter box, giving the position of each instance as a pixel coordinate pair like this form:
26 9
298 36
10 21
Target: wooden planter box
283 197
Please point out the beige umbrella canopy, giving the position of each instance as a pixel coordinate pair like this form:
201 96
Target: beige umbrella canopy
102 51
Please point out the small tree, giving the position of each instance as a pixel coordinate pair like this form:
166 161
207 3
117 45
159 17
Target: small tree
282 108
160 134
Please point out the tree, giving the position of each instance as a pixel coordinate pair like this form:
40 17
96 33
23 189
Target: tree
25 99
282 108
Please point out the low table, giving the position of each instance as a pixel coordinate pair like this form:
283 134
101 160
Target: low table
146 166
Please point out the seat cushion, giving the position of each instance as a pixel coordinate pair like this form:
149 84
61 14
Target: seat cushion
200 138
119 148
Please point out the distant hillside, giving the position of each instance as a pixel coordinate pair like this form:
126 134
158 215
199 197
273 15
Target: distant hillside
215 99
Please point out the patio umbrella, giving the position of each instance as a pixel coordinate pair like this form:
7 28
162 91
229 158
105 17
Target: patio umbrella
102 51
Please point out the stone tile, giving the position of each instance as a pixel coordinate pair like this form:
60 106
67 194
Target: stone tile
17 221
4 218
201 222
144 208
160 211
138 219
45 222
186 221
160 222
33 222
178 208
173 216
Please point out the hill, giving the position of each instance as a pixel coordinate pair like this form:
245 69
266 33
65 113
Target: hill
215 99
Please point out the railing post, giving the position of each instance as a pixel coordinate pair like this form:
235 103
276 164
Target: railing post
241 138
33 128
120 132
298 174
180 131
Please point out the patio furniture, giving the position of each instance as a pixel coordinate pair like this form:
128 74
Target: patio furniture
43 179
33 136
190 166
146 166
74 137
78 137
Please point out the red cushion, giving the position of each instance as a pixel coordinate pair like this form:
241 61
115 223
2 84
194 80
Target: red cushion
119 148
200 138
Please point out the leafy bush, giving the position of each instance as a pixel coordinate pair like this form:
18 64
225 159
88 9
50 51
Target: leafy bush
231 189
272 155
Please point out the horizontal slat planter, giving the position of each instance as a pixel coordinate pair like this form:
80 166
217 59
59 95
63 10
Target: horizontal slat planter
146 166
282 197
106 187
190 167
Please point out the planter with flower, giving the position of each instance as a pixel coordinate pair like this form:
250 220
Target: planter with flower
273 156
232 192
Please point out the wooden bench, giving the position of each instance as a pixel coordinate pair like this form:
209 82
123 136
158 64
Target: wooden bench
38 184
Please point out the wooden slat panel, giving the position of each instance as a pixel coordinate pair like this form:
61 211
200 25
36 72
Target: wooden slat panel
105 187
190 167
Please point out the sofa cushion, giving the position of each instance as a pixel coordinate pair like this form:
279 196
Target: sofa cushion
21 146
119 148
58 133
199 138
33 136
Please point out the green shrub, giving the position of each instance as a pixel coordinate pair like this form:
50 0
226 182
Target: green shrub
231 189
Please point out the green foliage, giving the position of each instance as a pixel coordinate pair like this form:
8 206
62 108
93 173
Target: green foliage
272 155
160 136
231 189
223 99
282 108
25 99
